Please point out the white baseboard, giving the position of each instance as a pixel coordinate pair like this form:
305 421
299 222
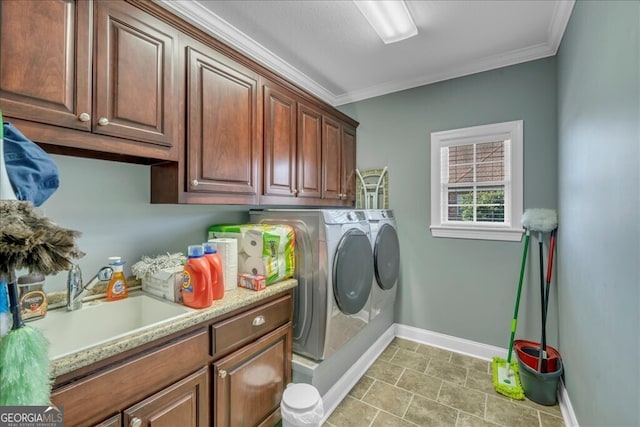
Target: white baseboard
459 345
332 398
569 416
447 342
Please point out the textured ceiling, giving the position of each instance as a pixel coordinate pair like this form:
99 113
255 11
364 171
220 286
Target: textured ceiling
328 48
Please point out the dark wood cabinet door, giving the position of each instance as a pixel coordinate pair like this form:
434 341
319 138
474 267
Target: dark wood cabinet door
348 164
331 154
248 384
224 143
309 152
185 404
115 421
135 75
279 142
45 62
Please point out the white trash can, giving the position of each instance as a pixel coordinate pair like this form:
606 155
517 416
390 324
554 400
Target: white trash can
301 406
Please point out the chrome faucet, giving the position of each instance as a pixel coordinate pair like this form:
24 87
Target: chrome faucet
75 289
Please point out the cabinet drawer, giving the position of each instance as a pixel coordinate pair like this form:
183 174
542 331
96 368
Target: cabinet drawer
93 398
236 331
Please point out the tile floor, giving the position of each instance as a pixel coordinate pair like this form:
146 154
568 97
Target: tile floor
411 384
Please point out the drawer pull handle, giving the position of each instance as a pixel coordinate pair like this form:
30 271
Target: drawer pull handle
222 373
103 121
258 321
195 183
135 422
84 117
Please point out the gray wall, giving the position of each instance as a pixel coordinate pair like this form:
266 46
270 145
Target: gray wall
599 240
109 203
463 288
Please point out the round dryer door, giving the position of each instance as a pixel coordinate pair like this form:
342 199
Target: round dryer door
352 271
386 256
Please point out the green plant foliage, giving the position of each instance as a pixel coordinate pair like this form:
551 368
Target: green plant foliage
489 206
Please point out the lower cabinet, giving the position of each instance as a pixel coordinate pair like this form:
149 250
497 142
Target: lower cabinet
228 371
185 403
248 384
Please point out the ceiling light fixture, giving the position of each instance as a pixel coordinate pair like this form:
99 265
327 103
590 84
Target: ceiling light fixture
390 18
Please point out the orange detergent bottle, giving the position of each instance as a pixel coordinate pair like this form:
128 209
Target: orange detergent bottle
117 287
215 267
196 282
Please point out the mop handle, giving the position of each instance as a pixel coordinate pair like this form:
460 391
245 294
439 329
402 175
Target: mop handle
514 322
12 287
552 245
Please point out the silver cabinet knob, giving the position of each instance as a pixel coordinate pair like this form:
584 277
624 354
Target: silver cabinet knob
222 373
135 422
195 183
84 117
295 191
103 121
258 321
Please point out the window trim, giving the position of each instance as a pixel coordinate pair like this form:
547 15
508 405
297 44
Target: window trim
472 135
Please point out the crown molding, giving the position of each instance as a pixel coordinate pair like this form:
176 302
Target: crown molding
558 24
211 23
485 64
205 19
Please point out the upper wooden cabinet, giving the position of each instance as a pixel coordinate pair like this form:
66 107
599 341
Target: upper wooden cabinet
348 164
45 72
309 152
339 160
102 67
135 75
223 149
280 148
331 154
223 138
292 145
128 80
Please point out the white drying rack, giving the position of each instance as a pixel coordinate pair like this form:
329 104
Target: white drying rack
372 188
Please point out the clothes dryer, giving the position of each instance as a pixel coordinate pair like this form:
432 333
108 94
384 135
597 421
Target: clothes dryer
386 259
334 269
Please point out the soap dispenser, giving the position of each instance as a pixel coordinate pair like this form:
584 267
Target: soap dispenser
117 288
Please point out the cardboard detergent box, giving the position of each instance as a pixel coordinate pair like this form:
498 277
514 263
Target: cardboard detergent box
252 281
165 283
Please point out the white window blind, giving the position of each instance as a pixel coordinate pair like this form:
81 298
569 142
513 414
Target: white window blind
477 182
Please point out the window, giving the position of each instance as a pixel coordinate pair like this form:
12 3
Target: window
476 182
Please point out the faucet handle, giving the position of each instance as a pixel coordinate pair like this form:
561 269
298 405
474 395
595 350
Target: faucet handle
74 278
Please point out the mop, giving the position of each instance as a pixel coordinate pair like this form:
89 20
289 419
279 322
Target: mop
506 379
542 362
542 221
27 241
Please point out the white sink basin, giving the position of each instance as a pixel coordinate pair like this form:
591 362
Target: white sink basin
98 323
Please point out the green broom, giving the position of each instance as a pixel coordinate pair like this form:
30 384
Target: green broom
24 361
506 379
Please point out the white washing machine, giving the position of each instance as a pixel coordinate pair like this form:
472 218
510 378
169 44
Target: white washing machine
334 269
386 260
